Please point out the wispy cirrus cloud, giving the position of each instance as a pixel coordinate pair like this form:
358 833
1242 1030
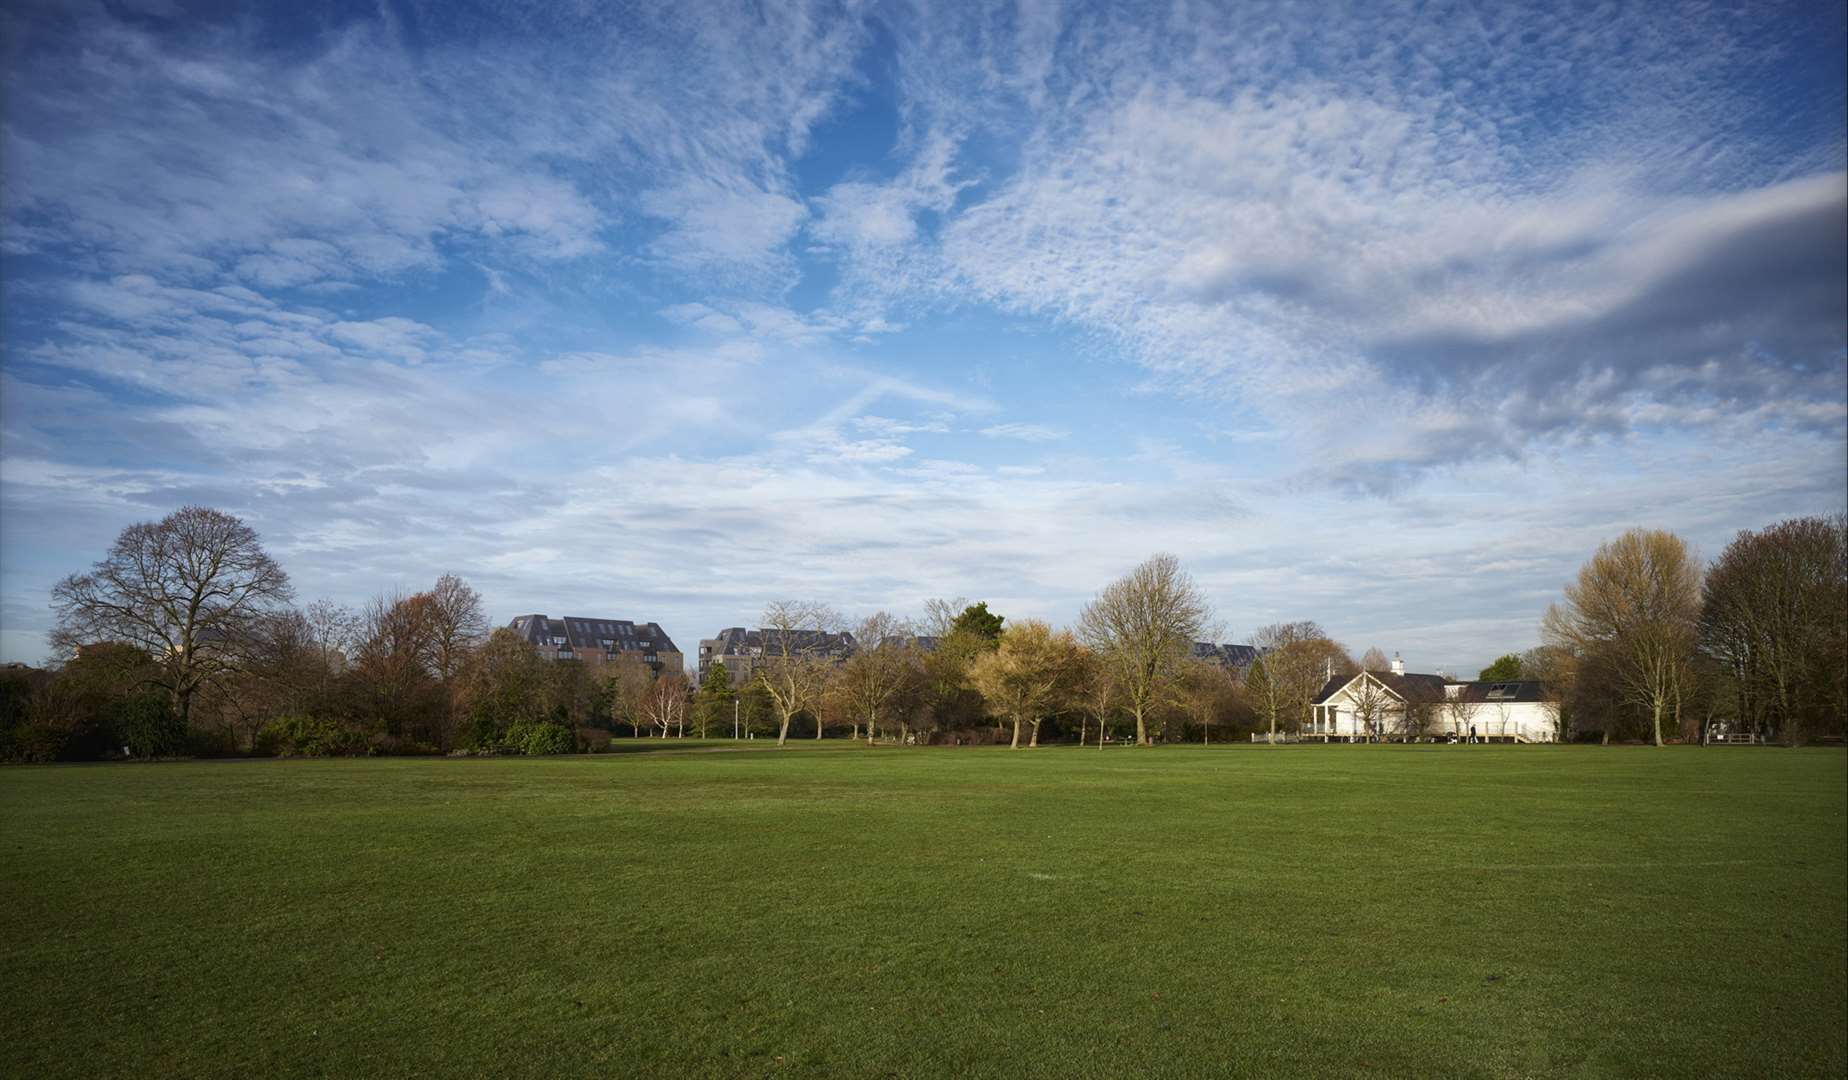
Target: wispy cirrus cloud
873 301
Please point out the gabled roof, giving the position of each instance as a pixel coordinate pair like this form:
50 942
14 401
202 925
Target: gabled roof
1409 687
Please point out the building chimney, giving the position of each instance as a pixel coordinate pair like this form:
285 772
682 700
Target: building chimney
1398 665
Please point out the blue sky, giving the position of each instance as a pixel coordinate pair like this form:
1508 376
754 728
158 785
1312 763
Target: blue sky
1383 316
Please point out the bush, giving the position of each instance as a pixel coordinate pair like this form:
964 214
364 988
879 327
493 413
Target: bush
394 746
537 739
35 742
146 727
308 736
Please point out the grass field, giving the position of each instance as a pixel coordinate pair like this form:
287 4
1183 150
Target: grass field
1299 911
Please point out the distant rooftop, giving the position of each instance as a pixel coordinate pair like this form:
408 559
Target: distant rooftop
580 632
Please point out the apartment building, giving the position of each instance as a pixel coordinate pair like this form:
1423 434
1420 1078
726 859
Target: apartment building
600 641
744 651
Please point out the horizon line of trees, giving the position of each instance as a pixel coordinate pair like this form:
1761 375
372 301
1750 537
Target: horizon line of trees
185 639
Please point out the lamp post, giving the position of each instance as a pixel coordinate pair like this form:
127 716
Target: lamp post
734 719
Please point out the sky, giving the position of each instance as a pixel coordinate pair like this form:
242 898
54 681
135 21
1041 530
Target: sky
1382 315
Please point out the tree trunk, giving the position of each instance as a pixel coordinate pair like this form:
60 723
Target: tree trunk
1655 719
1606 740
855 737
1016 743
1034 741
1142 730
782 734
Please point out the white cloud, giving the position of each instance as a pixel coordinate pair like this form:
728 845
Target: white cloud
1025 432
727 233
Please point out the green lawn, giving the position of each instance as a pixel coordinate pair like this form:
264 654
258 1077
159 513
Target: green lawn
1297 911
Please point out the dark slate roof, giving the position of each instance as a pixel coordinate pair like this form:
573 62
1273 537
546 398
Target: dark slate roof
1508 690
591 634
1329 688
1237 656
920 642
1425 688
737 641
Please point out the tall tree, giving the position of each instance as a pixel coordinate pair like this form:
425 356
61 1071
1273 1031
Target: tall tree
1096 694
1203 692
457 624
877 672
1029 674
394 665
629 681
187 590
1294 660
1375 660
713 703
795 665
1143 626
978 620
1774 616
503 683
665 703
1634 604
1552 668
1506 668
946 701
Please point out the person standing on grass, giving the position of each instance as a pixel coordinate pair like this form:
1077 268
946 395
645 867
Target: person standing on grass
1472 733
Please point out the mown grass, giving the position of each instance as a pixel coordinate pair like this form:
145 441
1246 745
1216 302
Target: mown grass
1409 911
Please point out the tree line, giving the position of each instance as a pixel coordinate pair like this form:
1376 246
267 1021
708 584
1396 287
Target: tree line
1647 642
186 639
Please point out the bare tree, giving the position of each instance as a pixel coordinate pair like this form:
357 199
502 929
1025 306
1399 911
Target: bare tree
1373 705
186 590
665 704
1635 603
629 685
878 671
1030 675
1552 668
796 664
1096 694
1293 663
1143 626
334 629
1375 660
1774 615
457 624
1203 692
394 664
940 615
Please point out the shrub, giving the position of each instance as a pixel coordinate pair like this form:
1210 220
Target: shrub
36 742
537 739
395 746
308 736
145 725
